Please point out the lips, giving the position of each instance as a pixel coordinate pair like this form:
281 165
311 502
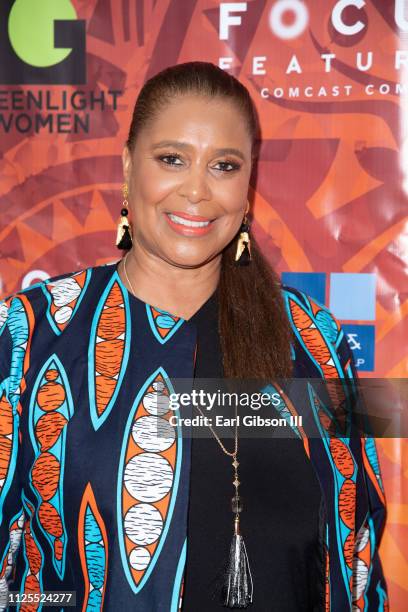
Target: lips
187 216
189 225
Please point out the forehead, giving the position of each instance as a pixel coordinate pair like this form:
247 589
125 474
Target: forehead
200 120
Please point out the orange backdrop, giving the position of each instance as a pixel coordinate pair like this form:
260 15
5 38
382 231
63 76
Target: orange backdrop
330 81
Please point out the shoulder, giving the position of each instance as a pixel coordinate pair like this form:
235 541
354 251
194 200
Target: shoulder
42 310
297 299
61 292
314 324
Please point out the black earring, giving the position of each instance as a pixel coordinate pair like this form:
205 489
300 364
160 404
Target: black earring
124 231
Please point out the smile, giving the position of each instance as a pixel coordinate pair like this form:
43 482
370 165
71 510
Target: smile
188 222
189 227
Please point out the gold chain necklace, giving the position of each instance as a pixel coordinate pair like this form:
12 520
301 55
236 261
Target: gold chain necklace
237 590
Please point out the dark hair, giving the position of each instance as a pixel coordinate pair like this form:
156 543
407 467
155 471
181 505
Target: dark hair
255 332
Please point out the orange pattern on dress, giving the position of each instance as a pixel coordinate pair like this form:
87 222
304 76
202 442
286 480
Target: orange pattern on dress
91 523
109 348
147 489
31 583
63 297
6 431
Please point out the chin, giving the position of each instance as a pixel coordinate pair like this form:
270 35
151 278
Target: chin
188 261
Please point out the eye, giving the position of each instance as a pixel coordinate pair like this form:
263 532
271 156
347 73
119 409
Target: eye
169 160
171 156
233 166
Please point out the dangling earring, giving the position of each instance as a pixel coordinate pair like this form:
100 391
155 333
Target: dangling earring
124 232
243 252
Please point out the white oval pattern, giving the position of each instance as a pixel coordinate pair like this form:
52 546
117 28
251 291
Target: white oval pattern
63 314
3 313
139 558
156 403
153 434
362 538
148 477
64 291
143 524
360 571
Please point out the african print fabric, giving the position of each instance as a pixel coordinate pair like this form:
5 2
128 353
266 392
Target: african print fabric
92 501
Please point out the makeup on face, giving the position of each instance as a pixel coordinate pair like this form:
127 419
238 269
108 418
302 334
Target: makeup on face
188 174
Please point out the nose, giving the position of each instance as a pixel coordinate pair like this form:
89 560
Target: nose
195 185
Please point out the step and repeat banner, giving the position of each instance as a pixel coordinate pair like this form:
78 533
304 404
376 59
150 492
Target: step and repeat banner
330 82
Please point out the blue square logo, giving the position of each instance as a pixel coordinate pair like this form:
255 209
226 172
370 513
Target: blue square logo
352 296
311 283
361 339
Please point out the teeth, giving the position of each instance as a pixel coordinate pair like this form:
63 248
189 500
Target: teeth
187 222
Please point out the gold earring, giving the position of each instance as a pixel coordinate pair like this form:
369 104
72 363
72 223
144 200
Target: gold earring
124 230
243 252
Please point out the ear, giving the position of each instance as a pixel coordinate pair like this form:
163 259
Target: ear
126 163
247 208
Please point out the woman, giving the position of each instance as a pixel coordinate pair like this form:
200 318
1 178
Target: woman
91 500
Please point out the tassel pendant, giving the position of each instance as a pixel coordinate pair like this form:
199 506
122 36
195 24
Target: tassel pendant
243 251
124 238
243 254
237 590
236 586
123 235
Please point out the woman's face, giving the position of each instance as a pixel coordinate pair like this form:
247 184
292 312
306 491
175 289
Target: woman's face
180 165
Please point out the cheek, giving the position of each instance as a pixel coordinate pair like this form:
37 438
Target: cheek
231 193
232 201
149 187
227 227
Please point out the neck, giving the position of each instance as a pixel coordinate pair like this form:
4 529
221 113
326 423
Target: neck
180 291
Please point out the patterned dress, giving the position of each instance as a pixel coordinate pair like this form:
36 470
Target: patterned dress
93 501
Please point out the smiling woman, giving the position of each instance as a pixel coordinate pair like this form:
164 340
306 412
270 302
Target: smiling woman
185 187
101 493
188 160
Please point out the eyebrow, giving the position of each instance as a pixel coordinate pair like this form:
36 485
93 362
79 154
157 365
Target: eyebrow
186 145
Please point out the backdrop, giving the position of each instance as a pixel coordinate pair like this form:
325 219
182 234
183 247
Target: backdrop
330 81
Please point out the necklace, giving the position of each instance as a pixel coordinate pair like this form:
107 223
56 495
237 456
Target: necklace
237 588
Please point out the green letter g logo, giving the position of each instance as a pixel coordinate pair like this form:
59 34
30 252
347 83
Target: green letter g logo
31 30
